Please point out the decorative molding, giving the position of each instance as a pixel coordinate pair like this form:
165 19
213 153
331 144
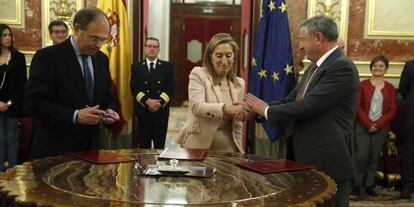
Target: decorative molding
28 55
337 9
393 74
11 12
386 20
194 48
58 9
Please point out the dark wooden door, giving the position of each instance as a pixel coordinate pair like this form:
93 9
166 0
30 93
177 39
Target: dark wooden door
191 27
197 34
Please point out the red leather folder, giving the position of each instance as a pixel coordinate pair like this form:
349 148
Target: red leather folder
100 156
274 166
184 154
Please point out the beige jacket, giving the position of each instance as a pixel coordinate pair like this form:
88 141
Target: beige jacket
206 104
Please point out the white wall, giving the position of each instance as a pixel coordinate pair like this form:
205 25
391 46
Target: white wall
159 24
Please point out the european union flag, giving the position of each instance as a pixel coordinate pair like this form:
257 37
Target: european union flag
271 76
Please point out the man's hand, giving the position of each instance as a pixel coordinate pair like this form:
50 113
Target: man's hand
3 106
153 104
110 117
89 115
245 114
255 104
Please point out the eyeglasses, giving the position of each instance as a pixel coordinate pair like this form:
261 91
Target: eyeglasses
59 31
97 40
152 46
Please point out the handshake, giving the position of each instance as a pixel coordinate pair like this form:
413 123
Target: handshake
246 110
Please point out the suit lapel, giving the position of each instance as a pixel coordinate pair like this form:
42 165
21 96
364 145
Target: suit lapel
233 92
321 69
145 68
333 56
98 77
74 70
216 89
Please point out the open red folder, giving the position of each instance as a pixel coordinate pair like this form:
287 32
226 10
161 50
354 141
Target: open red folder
183 154
274 166
100 156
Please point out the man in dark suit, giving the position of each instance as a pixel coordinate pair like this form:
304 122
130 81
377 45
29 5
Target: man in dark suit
406 88
69 89
322 106
152 85
58 31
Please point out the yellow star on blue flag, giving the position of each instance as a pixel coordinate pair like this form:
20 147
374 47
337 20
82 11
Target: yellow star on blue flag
288 69
254 62
275 76
271 6
262 73
282 7
272 50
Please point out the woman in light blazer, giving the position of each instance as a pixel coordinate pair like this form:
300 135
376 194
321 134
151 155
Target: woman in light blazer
214 92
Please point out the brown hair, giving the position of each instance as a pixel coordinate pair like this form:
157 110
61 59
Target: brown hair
378 58
56 22
4 27
216 40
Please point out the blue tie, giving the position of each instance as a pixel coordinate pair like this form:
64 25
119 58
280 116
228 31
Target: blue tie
88 78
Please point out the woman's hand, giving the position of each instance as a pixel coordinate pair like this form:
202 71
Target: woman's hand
3 106
229 111
372 129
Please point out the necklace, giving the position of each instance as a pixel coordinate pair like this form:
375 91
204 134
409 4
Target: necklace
5 71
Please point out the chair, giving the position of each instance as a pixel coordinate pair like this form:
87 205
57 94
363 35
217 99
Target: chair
391 161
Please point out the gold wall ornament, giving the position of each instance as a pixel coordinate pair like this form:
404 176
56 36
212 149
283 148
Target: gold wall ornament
393 74
58 9
63 9
12 13
337 9
385 20
328 9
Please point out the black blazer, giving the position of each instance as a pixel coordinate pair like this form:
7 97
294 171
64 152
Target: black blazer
145 85
16 77
324 118
56 88
406 86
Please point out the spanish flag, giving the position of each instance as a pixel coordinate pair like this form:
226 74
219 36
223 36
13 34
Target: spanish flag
119 53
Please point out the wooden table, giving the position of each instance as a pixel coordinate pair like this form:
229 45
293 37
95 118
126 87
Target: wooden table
67 181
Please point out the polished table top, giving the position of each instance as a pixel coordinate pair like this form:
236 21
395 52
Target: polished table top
67 181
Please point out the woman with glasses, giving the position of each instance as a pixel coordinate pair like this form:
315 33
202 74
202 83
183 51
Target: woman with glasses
12 82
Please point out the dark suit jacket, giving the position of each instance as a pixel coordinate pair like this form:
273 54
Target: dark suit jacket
16 78
324 118
155 85
56 88
406 88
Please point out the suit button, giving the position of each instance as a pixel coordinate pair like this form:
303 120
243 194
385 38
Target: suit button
158 91
159 82
147 91
145 82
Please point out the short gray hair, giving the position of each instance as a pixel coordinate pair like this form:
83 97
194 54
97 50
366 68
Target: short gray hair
324 25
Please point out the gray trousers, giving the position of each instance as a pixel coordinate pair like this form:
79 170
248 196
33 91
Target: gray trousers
367 151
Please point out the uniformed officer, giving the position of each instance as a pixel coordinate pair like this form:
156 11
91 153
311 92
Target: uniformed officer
152 85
